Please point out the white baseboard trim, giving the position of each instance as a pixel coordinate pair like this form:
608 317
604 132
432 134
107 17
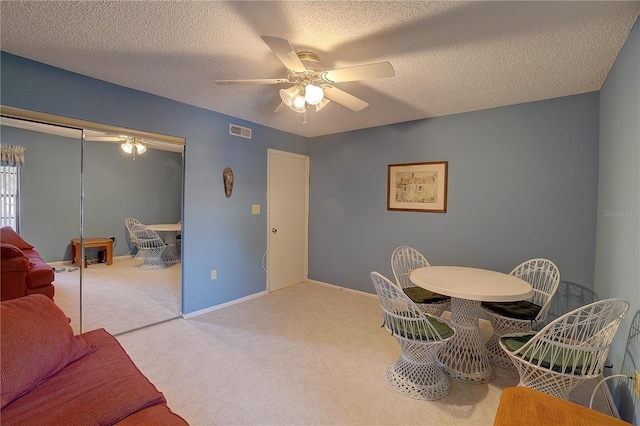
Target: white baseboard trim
61 263
224 305
263 293
337 287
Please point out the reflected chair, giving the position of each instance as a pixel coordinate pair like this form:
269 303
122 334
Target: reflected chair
179 238
629 406
420 335
405 260
129 222
568 297
150 247
522 315
569 350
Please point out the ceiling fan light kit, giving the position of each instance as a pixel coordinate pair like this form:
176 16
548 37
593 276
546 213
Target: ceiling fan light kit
312 84
133 146
322 103
288 95
313 94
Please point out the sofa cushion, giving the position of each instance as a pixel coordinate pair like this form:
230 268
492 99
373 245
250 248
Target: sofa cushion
37 342
99 389
40 273
9 250
9 236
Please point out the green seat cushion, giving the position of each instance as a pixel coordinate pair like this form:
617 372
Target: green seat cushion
411 329
520 309
513 343
422 295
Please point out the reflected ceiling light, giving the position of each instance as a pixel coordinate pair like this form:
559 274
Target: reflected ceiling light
133 146
127 147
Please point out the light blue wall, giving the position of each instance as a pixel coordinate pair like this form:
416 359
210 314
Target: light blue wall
49 190
115 186
149 189
522 184
219 233
617 271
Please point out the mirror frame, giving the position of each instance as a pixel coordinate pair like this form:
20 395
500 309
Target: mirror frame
59 120
82 125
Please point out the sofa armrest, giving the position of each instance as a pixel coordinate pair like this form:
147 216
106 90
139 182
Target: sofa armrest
14 264
13 281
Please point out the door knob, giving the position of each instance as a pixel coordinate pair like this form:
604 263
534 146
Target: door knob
274 230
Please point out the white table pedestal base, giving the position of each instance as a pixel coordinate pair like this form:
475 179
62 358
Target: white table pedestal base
465 356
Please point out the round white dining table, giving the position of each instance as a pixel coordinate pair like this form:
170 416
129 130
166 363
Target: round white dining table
465 357
166 227
169 233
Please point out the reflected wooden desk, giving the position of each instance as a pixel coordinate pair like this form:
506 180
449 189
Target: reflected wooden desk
465 357
101 243
522 406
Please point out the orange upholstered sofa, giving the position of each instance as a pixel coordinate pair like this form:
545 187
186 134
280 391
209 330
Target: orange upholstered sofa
23 270
51 377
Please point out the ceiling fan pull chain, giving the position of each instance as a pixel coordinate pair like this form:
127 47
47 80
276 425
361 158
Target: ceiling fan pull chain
305 117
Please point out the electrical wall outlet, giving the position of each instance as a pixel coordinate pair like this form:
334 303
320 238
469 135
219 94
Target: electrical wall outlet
214 274
636 383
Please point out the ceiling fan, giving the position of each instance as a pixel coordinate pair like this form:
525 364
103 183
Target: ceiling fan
312 84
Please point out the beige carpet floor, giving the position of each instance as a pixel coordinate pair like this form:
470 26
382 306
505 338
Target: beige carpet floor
118 297
306 355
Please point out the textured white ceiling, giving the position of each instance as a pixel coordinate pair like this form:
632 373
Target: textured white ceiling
449 57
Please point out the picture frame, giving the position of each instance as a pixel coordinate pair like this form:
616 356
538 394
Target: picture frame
417 187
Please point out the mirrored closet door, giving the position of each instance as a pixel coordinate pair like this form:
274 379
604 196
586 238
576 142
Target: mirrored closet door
82 183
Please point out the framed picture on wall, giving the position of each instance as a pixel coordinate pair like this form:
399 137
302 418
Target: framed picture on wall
417 187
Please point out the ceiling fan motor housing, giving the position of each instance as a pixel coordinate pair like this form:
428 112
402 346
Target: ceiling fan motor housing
312 74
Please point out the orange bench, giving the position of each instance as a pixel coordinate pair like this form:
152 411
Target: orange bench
102 243
520 406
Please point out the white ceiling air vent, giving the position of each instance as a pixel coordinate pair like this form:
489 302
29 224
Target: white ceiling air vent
243 132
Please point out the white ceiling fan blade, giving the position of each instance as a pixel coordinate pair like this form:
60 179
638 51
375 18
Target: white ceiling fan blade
253 81
360 72
343 98
283 50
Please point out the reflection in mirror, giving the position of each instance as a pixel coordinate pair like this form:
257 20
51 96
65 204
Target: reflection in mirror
130 177
123 285
48 207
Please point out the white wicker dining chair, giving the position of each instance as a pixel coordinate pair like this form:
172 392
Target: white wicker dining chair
420 335
129 222
150 247
522 315
569 350
405 260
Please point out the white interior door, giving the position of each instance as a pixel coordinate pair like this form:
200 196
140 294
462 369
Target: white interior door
287 218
